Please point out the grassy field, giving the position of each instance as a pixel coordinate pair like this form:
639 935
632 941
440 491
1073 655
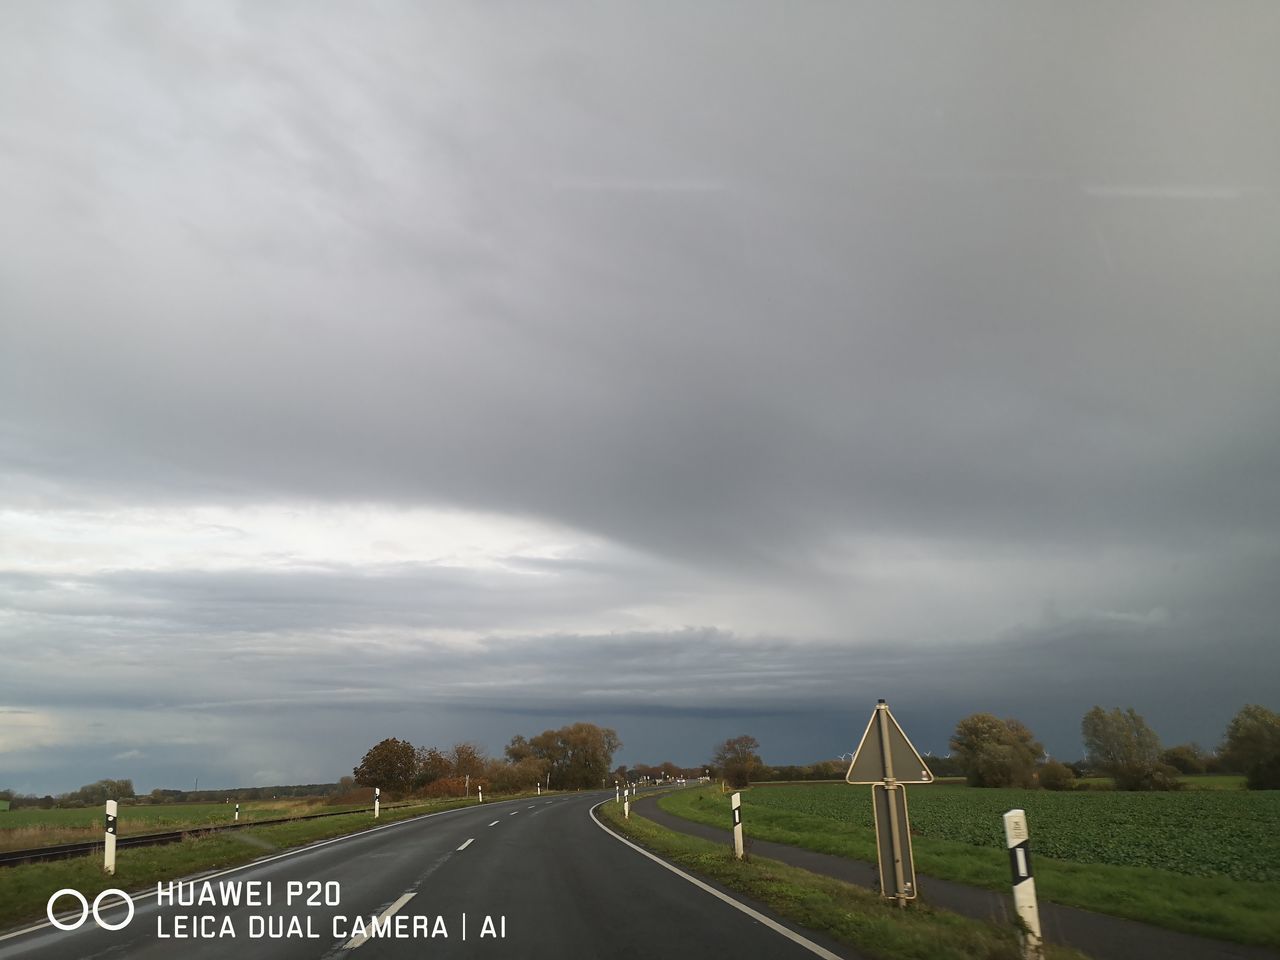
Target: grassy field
25 889
842 911
1149 857
33 827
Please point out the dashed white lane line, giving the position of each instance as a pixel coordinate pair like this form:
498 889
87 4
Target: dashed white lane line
390 911
467 844
495 823
513 813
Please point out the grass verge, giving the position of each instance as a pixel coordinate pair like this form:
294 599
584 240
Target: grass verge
24 890
1209 906
844 912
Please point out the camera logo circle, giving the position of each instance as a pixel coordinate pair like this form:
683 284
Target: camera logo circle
85 909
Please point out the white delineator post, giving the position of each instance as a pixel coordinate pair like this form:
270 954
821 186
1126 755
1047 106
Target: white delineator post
539 788
237 812
736 803
109 846
626 803
617 793
377 796
480 791
1017 839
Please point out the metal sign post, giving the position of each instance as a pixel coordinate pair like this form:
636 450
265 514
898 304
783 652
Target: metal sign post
886 759
1017 839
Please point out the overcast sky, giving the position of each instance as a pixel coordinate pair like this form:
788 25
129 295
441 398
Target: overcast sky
457 371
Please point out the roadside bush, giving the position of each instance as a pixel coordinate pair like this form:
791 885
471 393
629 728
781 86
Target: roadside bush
447 787
1057 776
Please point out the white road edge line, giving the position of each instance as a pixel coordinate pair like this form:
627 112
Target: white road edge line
495 823
390 911
201 877
753 914
467 844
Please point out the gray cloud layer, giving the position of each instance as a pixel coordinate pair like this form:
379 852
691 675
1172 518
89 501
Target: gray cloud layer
851 328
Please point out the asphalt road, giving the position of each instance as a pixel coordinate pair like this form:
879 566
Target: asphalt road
533 878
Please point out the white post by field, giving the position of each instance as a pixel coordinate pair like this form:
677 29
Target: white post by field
626 803
109 846
736 802
237 812
480 791
377 795
1017 839
617 793
539 788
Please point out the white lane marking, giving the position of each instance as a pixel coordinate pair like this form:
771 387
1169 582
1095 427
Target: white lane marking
513 813
390 911
753 914
530 806
151 891
467 844
495 823
547 803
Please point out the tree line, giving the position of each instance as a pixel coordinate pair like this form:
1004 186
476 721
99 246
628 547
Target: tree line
574 757
992 752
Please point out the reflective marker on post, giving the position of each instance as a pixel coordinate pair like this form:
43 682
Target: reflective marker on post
736 803
109 849
1024 885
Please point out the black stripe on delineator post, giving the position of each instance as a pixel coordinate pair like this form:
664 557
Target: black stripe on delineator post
111 824
1020 862
737 816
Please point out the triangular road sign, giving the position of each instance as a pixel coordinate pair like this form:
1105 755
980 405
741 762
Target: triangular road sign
883 740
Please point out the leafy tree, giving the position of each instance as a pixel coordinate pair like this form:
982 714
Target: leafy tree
994 752
390 765
432 766
1252 746
518 749
467 759
1186 758
1122 746
577 756
738 760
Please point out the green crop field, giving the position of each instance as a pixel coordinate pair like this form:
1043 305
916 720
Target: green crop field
1201 861
1199 833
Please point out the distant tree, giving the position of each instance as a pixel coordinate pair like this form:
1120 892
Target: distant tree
1122 746
1186 758
1252 746
994 752
432 765
578 756
518 749
390 765
467 759
738 760
1057 776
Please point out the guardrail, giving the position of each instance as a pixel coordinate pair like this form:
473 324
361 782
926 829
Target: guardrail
65 851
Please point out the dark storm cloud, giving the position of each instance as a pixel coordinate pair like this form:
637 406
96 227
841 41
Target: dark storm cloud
980 299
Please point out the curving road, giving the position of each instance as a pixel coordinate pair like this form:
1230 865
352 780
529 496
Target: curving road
550 881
